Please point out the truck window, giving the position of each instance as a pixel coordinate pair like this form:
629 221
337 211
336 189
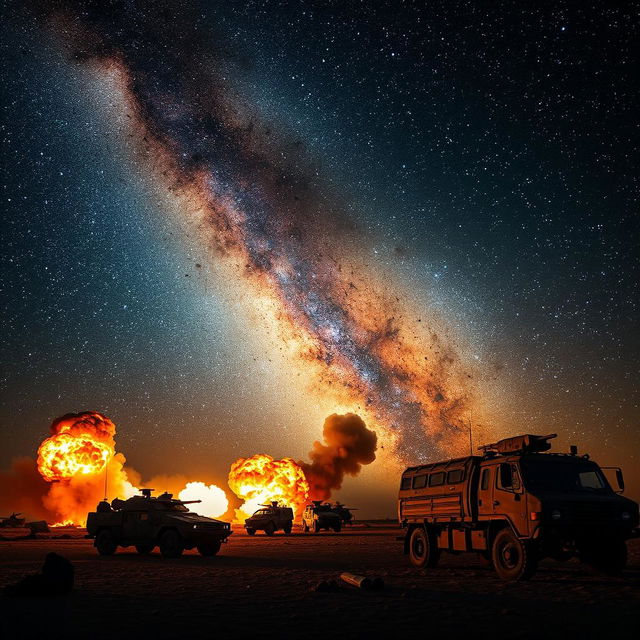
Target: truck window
436 479
484 481
419 482
455 475
508 477
406 483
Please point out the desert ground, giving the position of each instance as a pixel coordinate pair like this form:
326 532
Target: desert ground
266 588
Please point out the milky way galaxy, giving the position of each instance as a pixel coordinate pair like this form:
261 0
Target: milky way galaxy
260 204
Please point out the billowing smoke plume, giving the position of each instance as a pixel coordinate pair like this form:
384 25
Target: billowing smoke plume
348 445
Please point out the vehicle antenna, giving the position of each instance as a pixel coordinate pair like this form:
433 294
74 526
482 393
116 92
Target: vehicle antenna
470 437
106 477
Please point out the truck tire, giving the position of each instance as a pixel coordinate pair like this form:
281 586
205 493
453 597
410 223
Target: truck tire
145 549
423 548
209 549
269 528
608 556
305 527
171 545
316 526
337 527
287 529
513 559
106 543
251 532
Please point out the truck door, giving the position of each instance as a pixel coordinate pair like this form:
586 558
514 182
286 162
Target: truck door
508 498
485 491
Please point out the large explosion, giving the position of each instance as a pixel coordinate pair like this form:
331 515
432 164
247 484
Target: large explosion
77 466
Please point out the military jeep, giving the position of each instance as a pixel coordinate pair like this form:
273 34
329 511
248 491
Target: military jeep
270 518
145 522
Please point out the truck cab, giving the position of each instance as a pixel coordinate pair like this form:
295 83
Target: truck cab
514 505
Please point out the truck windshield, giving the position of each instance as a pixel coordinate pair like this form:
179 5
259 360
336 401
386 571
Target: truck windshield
561 475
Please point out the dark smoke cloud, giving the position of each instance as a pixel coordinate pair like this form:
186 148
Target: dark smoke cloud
348 445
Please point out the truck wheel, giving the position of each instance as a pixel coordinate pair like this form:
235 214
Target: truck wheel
269 529
605 556
287 529
337 527
106 543
145 549
316 526
423 548
171 545
512 558
209 549
305 527
251 532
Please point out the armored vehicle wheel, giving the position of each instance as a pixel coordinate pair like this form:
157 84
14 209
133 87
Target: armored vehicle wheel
316 526
423 548
605 556
209 549
287 529
512 558
171 545
145 549
337 527
269 529
305 527
106 543
251 532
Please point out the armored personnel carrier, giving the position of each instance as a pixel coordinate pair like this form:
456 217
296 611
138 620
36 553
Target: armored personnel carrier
146 522
270 518
318 516
516 504
344 512
14 521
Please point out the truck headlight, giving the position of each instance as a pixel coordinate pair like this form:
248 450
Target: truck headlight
626 515
195 526
556 515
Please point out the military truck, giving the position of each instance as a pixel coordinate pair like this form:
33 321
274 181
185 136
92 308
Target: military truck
318 516
515 504
270 518
146 522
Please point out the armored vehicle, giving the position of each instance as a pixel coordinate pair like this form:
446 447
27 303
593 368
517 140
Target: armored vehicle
318 516
270 519
514 505
346 517
146 522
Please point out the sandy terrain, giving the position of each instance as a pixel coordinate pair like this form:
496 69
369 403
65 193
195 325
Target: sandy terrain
264 587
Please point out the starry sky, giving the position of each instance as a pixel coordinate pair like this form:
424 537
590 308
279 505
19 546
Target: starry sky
191 188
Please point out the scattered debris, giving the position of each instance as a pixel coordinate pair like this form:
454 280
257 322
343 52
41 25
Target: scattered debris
56 579
363 582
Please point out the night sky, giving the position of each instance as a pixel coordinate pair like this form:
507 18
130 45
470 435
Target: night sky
191 189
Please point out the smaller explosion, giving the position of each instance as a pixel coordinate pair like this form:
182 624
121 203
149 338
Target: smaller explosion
260 479
214 500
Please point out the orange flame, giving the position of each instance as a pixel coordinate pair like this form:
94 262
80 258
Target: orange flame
260 479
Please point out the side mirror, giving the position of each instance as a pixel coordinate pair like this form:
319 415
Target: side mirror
620 479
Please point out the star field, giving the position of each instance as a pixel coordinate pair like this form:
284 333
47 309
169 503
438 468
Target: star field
486 154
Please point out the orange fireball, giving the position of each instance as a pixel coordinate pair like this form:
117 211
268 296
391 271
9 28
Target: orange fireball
260 479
